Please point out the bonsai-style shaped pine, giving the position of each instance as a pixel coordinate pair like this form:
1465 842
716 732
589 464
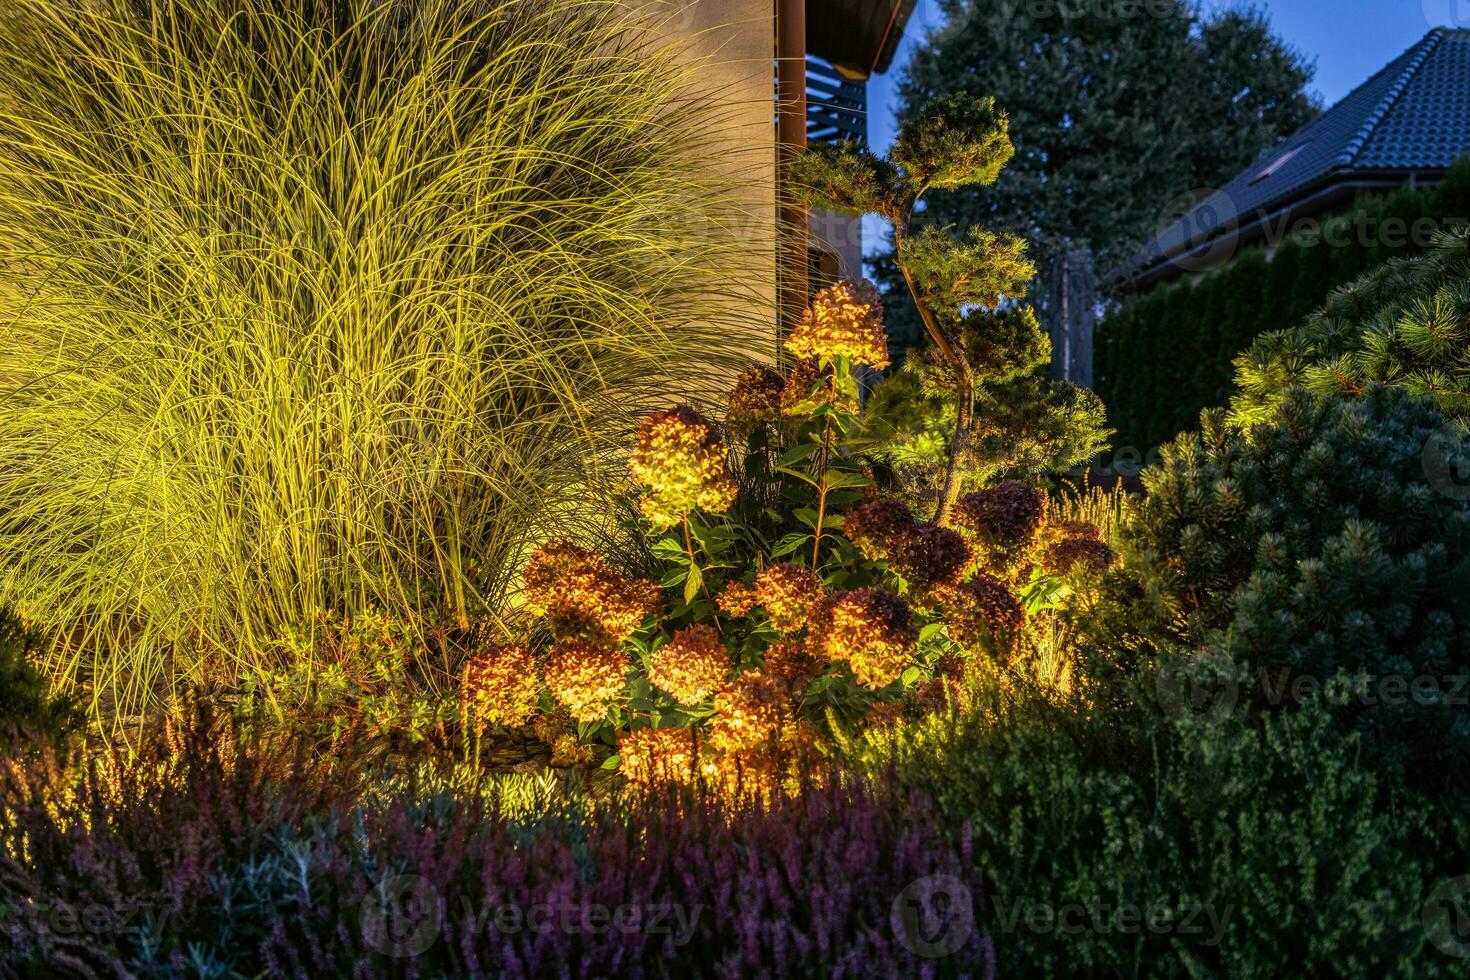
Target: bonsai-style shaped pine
964 289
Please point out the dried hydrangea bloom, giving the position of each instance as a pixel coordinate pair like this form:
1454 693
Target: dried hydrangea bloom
756 399
499 687
748 710
691 666
929 556
982 611
791 662
583 598
788 592
873 526
1079 554
586 679
872 629
809 384
1003 519
844 320
736 599
680 459
650 756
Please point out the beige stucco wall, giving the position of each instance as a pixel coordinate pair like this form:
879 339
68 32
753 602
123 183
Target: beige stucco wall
733 44
842 236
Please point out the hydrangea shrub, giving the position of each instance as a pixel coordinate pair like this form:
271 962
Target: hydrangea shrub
794 598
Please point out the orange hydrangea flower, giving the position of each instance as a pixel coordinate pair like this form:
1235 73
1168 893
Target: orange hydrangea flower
691 666
586 679
499 687
680 459
844 320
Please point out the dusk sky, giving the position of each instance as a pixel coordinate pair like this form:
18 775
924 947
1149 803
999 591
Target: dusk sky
1348 39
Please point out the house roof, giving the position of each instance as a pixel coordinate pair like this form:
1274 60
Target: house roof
857 36
1412 118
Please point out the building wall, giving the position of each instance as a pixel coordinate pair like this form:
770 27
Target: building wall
841 237
732 43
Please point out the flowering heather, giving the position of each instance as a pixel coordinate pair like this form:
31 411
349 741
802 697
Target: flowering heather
238 863
748 711
586 679
1002 519
500 687
872 629
788 592
736 599
651 756
844 320
690 666
680 459
756 399
1070 554
982 610
583 598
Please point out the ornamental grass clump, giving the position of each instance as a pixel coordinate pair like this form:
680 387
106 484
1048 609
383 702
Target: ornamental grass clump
321 305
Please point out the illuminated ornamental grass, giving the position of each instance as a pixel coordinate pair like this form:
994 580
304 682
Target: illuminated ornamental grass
319 307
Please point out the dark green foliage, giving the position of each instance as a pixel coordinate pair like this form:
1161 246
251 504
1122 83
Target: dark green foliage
1406 323
1310 558
28 708
957 141
1264 850
1115 110
846 177
1161 358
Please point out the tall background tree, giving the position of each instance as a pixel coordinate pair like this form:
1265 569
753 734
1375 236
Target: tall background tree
1123 112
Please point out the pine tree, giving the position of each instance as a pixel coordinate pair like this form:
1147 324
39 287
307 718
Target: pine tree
1119 113
984 345
1405 323
1308 554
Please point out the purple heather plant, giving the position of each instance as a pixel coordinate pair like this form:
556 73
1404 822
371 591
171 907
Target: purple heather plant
237 864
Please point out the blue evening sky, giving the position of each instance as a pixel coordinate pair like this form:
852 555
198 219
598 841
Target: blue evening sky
1348 39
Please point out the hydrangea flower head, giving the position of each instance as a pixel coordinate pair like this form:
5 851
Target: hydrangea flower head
583 598
1002 520
499 687
756 399
650 756
982 611
788 592
749 710
680 458
872 629
691 666
736 599
586 679
844 320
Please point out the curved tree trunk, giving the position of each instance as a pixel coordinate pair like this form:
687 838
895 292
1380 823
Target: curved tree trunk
964 379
